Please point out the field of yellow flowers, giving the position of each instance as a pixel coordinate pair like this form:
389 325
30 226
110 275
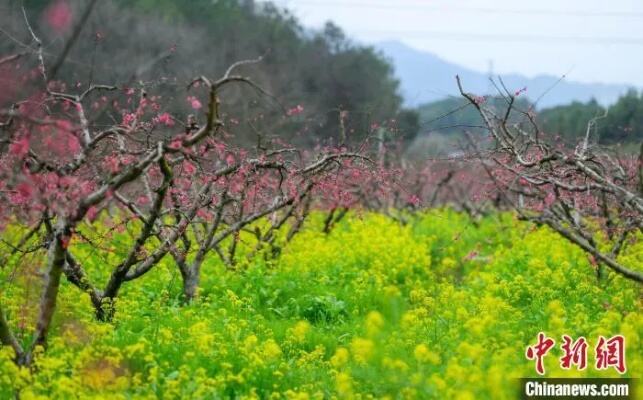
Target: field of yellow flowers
437 308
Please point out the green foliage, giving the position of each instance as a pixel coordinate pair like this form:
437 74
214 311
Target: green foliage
623 123
438 308
455 115
569 122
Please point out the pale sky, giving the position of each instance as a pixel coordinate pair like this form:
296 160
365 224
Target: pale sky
590 40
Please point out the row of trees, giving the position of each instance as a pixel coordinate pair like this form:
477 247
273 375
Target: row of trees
590 195
179 185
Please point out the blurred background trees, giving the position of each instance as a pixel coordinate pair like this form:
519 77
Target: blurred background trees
623 123
162 43
443 122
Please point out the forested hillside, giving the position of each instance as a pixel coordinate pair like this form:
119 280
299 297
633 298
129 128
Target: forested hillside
164 43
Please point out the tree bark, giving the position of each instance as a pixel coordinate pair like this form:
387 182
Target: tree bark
6 336
641 170
55 264
191 282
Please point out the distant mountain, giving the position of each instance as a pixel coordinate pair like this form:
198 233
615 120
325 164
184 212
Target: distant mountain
424 78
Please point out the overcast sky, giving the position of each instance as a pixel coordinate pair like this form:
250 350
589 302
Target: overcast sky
590 40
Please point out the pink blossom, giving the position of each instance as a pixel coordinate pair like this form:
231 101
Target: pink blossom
59 16
194 103
67 181
519 92
479 99
23 194
142 200
49 181
414 200
230 159
128 119
92 213
64 125
203 214
20 147
298 109
73 144
188 167
175 144
220 147
165 119
86 187
112 164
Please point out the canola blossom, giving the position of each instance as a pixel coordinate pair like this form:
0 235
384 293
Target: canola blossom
437 308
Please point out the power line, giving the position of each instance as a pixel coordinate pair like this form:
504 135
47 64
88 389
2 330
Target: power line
514 37
481 10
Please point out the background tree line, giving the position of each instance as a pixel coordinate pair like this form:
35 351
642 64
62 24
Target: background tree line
622 124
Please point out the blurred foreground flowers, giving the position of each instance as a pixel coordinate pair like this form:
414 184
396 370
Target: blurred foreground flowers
373 310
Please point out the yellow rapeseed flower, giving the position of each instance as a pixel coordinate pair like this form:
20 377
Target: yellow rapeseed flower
300 330
374 323
340 358
271 349
362 349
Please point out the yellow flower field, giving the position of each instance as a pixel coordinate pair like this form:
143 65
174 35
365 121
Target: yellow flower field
436 309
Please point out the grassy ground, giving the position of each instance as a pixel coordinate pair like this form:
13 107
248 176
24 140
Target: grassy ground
438 308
